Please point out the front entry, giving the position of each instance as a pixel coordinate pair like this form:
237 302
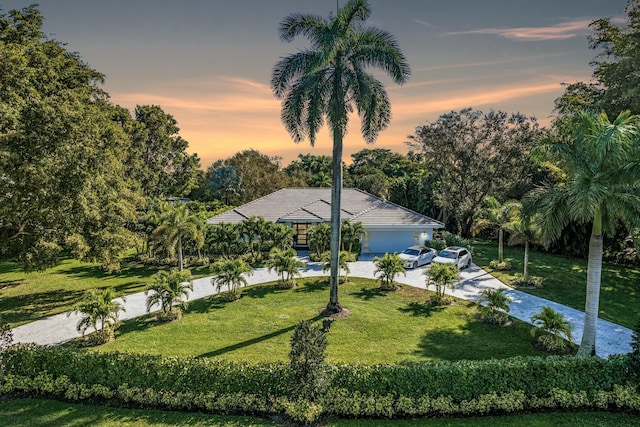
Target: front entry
300 234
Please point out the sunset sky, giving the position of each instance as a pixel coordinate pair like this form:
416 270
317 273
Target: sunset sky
209 62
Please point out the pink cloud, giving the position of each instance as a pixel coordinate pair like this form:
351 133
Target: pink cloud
564 30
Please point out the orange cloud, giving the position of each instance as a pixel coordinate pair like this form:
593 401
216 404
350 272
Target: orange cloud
220 117
565 30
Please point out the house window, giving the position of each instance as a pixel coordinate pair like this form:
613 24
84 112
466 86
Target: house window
300 234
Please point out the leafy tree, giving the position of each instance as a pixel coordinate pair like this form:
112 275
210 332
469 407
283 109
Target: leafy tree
285 263
177 224
328 81
496 214
472 155
62 180
258 173
601 160
99 310
314 170
615 81
387 268
555 326
442 276
169 290
159 159
232 274
496 308
225 182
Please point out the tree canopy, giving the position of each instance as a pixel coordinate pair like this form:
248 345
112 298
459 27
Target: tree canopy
473 155
615 86
73 166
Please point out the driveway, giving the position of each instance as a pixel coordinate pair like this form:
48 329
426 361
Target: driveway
611 338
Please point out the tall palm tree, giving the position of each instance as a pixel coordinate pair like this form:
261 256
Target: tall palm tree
496 214
524 230
328 81
177 223
601 161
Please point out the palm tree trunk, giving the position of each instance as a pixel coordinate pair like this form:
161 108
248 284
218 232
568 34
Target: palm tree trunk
594 270
526 261
336 192
500 244
180 263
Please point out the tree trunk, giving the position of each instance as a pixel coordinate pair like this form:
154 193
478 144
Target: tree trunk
500 244
594 270
180 263
526 262
336 191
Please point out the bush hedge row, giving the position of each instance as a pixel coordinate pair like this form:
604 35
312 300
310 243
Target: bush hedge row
388 391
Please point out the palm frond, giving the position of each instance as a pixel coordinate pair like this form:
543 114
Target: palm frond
310 26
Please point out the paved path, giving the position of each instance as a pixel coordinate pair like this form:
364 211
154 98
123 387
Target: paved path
611 338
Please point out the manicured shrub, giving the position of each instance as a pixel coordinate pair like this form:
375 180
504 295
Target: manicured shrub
309 377
378 391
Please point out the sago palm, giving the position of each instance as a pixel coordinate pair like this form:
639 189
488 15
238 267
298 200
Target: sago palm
328 81
601 161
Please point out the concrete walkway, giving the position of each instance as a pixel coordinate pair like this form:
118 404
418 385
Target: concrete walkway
611 338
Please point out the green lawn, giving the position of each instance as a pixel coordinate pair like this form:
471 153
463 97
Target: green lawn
44 413
565 281
25 297
381 328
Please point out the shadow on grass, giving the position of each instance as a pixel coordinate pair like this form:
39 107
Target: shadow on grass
30 307
370 293
262 291
418 309
253 341
137 324
316 285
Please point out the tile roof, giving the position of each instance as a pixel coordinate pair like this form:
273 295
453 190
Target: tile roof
314 205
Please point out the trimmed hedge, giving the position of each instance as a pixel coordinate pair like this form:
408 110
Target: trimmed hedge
379 391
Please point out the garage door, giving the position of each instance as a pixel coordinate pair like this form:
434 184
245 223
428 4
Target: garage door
389 241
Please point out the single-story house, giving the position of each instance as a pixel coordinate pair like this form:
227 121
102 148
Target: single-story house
390 227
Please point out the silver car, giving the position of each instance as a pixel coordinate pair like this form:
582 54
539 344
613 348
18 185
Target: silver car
456 255
415 256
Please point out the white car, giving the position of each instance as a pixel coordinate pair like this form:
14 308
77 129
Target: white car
415 256
456 255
